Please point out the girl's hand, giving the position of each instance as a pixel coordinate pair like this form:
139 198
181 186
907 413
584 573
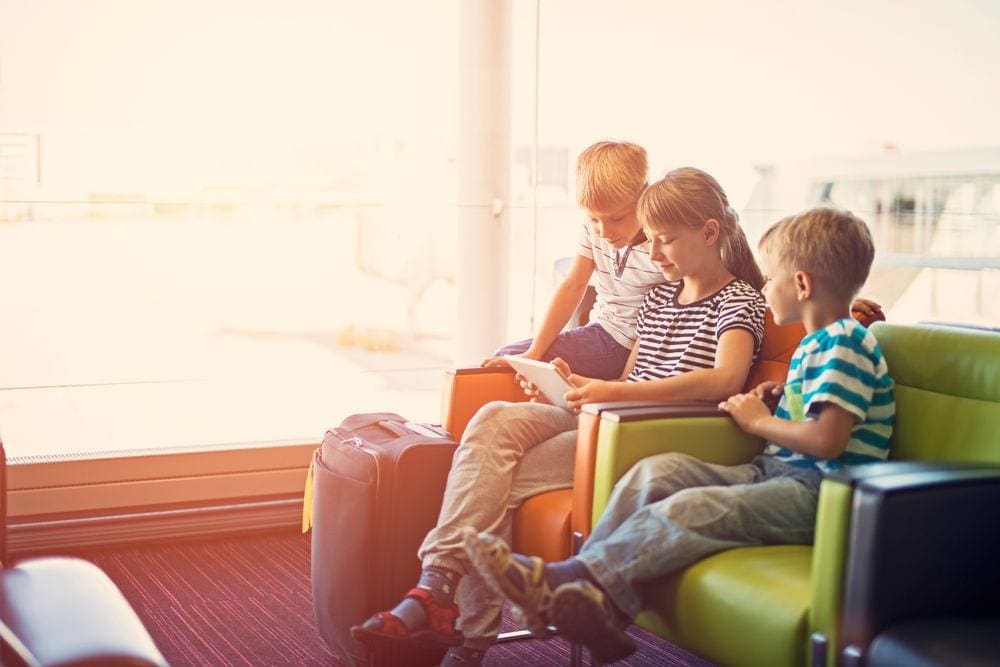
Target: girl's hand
530 389
590 391
866 307
769 392
746 409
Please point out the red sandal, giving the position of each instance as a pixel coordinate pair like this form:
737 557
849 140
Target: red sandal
439 631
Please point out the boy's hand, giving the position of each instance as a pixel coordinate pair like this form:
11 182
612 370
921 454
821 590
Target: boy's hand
498 362
769 392
866 307
746 409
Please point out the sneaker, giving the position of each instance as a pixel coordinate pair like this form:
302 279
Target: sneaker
583 614
523 583
463 656
386 628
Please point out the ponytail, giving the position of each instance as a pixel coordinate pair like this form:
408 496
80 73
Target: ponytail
736 254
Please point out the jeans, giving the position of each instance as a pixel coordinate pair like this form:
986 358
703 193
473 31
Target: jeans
672 510
509 452
589 350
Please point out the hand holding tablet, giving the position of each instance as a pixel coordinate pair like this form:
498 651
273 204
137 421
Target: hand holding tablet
544 375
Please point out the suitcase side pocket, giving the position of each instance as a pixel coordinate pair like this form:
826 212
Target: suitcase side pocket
343 546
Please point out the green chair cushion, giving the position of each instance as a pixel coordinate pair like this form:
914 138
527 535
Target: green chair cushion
746 606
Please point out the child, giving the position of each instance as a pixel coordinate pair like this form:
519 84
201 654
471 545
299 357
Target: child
610 176
697 337
668 511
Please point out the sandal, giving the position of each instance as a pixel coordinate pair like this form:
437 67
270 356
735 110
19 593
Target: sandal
384 627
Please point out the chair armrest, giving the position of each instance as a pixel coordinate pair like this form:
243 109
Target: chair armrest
921 543
830 547
468 389
614 436
66 611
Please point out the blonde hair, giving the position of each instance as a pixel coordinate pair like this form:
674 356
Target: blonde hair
688 196
610 174
832 245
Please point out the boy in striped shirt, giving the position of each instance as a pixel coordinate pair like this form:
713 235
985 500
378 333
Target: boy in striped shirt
836 408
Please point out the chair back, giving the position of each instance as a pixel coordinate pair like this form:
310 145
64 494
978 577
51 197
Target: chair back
778 345
775 353
947 389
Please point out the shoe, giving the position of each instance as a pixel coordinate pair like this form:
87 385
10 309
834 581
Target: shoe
463 656
525 585
384 627
583 614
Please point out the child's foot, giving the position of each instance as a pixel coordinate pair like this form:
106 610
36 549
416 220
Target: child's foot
435 627
463 656
583 614
520 578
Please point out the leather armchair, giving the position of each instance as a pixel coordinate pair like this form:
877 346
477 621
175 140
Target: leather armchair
783 604
65 611
921 585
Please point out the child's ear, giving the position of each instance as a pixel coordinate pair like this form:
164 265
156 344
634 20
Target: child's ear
711 231
803 285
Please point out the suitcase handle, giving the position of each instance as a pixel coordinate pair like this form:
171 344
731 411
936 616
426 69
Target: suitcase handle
394 428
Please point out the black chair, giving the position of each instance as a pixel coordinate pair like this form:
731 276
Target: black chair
922 585
65 611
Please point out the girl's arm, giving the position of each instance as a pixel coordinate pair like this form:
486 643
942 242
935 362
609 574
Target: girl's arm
826 436
630 364
732 365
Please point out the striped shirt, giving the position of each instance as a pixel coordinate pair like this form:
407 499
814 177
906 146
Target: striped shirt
621 280
843 365
676 338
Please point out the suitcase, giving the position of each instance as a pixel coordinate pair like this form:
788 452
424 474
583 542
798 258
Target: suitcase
377 484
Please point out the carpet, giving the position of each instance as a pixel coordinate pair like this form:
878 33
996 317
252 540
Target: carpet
248 601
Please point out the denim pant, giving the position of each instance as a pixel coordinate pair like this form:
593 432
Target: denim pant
589 350
509 452
671 510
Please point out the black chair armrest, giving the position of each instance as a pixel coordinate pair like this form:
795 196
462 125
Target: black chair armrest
924 541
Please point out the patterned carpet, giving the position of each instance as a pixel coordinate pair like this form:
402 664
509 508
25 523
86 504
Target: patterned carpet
247 601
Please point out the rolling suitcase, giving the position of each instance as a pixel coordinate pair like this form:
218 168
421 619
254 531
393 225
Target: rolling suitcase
377 484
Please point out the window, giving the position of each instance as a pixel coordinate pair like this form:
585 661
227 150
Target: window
223 227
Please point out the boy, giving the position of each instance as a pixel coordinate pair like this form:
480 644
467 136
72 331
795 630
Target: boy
610 176
668 511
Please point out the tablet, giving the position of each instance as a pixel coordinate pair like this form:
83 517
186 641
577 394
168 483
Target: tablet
545 376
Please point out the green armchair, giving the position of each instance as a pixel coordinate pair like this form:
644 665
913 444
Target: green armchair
782 605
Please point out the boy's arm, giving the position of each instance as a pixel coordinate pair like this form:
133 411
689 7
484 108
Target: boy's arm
825 437
732 365
567 298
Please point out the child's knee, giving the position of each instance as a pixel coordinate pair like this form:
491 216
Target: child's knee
646 471
700 506
485 416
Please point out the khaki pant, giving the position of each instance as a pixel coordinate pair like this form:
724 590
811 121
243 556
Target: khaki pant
509 452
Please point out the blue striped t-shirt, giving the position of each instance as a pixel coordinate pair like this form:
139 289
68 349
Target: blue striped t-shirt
843 365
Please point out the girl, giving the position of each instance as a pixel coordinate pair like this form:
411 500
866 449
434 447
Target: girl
697 337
